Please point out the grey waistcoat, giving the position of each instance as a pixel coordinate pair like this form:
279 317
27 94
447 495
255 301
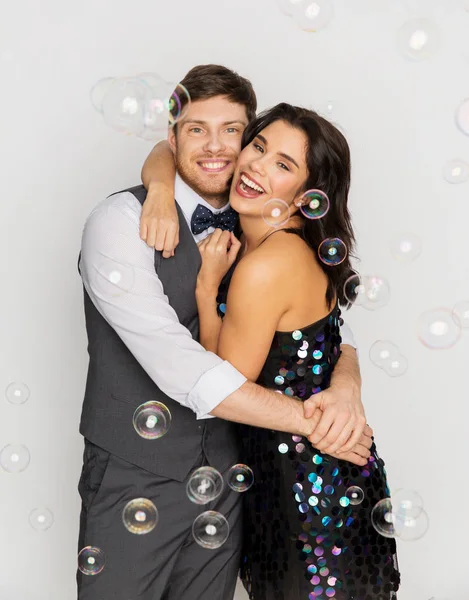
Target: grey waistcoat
116 383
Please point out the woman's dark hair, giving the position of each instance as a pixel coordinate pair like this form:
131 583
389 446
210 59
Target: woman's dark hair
328 164
208 81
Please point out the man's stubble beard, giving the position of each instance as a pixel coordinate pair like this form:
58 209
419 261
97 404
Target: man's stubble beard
216 194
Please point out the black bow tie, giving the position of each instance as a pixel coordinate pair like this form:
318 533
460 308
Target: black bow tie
203 218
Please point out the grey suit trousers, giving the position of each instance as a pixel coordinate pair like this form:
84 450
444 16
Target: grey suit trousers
165 564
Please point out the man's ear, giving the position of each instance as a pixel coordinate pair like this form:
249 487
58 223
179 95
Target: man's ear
172 140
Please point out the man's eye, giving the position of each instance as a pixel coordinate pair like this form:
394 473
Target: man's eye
196 129
232 130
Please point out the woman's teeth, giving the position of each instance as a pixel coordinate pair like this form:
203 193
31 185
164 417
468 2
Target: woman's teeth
246 182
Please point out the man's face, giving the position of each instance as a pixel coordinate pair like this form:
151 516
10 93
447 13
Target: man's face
207 144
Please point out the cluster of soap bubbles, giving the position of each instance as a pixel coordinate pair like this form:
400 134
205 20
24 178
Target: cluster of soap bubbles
387 356
309 15
15 458
368 291
313 204
400 516
144 105
210 529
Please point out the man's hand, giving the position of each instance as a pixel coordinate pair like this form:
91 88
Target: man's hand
358 454
342 421
343 417
159 223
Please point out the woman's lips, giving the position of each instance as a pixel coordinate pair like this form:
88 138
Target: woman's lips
246 192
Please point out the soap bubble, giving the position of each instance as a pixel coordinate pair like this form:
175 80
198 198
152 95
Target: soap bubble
91 560
418 39
166 105
382 518
456 171
41 519
369 291
405 247
240 478
396 367
14 458
124 104
355 495
205 485
314 204
152 420
275 212
111 278
140 516
332 251
17 393
382 352
437 329
210 530
312 15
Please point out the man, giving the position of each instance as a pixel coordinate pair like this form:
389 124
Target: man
142 325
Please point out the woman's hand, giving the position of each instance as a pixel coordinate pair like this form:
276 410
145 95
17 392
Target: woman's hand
218 251
159 222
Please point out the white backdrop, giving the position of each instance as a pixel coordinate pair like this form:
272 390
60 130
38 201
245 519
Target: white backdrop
58 159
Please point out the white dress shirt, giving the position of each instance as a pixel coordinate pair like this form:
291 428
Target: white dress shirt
118 273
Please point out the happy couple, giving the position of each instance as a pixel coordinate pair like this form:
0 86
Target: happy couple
233 323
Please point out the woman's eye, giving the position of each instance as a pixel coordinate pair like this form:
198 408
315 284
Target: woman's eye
258 147
283 166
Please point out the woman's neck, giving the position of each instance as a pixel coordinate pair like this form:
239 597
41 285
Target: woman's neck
256 230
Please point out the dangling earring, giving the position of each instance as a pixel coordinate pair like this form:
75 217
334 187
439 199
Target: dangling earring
298 203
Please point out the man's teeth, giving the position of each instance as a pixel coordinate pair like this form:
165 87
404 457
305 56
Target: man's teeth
251 184
213 165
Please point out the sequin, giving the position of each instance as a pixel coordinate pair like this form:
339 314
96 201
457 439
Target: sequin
279 380
283 448
329 490
302 353
297 334
222 307
289 391
317 354
317 459
317 369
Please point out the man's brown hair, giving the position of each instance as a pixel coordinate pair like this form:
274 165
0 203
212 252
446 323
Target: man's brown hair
207 81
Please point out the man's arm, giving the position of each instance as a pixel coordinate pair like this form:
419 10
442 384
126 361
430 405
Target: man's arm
138 310
159 226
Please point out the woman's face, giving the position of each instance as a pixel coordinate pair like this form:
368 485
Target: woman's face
272 166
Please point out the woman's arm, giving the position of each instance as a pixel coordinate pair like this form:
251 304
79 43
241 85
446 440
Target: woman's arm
159 224
218 252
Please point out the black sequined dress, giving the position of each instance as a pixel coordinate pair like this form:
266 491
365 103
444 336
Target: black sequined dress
308 535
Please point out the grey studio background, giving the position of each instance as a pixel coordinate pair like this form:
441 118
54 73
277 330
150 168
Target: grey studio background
58 159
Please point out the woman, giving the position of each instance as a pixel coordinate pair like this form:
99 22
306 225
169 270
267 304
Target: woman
276 318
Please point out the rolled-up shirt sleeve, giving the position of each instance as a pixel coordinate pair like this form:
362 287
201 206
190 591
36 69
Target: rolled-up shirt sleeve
118 273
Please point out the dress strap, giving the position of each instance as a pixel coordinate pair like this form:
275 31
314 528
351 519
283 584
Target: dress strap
277 230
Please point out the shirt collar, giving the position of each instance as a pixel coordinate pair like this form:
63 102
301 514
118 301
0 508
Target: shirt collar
188 199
